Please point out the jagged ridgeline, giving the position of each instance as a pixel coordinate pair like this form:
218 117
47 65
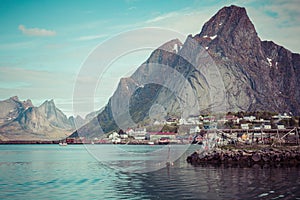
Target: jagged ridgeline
254 75
21 120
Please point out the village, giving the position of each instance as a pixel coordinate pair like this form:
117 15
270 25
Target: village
255 127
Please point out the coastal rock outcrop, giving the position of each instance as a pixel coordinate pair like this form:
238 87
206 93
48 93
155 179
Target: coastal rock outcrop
267 157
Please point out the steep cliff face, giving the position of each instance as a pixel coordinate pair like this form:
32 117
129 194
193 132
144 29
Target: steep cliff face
55 116
20 120
226 67
11 108
258 75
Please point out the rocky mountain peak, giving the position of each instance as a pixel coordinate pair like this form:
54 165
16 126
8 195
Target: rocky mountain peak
22 104
228 20
172 46
48 107
21 120
14 98
230 29
49 102
27 104
166 52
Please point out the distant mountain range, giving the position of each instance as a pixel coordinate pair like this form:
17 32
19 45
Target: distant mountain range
20 120
250 75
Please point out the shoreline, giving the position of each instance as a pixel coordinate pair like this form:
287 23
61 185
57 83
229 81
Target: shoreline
248 156
84 143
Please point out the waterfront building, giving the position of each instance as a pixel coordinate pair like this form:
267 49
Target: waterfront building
244 126
139 133
113 135
267 126
194 130
280 126
249 118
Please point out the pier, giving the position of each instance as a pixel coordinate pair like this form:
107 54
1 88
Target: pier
255 136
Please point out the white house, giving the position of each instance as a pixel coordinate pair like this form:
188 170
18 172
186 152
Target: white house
193 120
116 140
267 126
113 135
140 137
124 136
245 126
182 121
284 116
249 118
280 126
257 127
129 131
194 130
139 133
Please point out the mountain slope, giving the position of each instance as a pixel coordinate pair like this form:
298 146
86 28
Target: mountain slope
227 68
20 120
258 75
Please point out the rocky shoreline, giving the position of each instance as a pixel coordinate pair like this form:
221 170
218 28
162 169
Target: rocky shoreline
242 157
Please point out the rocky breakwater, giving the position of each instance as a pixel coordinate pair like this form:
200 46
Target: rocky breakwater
267 157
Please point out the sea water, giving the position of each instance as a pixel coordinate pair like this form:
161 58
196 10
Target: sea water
71 172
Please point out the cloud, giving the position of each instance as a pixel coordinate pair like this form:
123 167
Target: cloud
16 45
36 31
90 37
162 17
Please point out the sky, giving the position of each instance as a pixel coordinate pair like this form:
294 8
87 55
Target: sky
44 44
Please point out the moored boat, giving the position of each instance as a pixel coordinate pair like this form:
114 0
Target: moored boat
164 140
63 144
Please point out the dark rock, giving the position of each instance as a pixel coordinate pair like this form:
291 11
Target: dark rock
256 157
265 158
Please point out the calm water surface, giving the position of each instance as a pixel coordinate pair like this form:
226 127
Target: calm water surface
54 172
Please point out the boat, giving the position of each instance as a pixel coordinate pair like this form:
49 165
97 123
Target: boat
63 144
164 140
151 143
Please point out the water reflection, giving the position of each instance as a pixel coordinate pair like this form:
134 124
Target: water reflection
214 183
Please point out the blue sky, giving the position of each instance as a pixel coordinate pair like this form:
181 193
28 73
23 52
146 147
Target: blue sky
44 43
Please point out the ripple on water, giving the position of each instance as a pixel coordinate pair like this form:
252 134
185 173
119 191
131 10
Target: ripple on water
72 174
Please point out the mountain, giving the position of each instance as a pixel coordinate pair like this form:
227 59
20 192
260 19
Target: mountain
20 120
226 67
258 75
77 121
